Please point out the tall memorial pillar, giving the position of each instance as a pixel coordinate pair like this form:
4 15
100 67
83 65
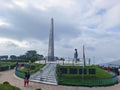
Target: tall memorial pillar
51 42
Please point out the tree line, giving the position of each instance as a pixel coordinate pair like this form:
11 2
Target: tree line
30 55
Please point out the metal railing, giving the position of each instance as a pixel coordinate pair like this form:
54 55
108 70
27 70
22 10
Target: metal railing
90 82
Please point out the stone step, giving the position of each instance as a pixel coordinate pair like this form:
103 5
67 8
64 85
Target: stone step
48 74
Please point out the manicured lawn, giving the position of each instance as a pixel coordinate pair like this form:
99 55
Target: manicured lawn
82 79
100 73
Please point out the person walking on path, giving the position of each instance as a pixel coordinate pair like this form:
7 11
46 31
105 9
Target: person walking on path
26 79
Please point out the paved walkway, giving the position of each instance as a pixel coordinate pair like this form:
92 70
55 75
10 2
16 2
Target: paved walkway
9 76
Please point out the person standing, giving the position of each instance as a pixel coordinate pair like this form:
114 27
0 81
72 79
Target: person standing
25 79
28 77
16 68
76 55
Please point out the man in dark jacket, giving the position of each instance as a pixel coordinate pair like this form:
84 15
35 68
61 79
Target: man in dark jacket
26 79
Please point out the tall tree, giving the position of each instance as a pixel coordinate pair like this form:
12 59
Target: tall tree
13 57
5 57
31 55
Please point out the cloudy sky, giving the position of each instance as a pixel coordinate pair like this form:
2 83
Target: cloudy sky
25 25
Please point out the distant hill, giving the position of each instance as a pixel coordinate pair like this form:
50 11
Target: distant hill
115 63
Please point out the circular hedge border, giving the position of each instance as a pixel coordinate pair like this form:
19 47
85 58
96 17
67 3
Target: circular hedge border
85 82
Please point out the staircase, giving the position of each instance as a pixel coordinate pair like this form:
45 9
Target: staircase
47 75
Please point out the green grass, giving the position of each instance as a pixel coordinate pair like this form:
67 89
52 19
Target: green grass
6 66
86 80
100 73
37 68
8 87
7 63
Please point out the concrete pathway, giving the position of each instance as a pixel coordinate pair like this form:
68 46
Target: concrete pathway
9 76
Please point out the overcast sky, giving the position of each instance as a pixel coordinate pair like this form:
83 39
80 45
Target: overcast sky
25 25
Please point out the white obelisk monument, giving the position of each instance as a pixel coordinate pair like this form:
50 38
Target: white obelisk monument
51 42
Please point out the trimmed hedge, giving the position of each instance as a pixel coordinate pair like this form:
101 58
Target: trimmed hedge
4 68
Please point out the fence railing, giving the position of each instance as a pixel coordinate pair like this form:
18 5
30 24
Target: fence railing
19 74
89 82
100 82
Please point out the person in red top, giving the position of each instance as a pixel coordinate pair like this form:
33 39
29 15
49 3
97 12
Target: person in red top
108 69
103 67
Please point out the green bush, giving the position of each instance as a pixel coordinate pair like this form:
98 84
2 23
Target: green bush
38 89
3 68
7 86
6 66
6 82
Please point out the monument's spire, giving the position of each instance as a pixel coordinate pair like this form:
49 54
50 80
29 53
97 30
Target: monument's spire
51 42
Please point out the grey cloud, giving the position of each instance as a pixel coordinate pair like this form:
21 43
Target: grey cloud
90 48
32 24
67 46
9 45
26 26
66 31
98 34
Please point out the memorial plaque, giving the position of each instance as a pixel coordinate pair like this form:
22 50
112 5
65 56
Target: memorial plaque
73 71
63 70
92 71
83 71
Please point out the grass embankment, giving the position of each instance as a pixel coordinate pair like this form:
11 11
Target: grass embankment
7 63
33 70
100 73
81 79
6 66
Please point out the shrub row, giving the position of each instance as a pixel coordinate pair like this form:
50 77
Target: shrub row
4 68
